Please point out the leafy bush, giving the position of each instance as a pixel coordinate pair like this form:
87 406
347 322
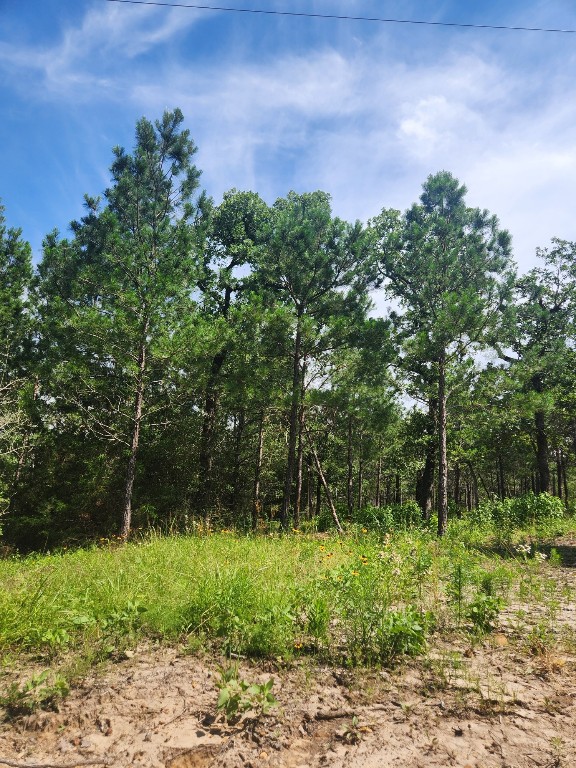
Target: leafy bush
483 514
238 696
539 508
483 611
521 510
389 518
41 691
400 632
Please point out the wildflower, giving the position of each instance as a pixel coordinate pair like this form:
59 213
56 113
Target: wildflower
364 530
541 556
322 548
522 549
355 573
297 646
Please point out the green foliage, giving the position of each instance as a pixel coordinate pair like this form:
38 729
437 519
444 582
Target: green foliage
361 599
395 517
238 696
401 632
15 343
483 610
531 509
41 691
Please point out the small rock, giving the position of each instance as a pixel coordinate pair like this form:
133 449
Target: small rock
64 745
86 745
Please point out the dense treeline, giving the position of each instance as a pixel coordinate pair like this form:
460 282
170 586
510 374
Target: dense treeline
174 361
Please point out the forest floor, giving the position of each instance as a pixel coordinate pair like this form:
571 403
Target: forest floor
506 699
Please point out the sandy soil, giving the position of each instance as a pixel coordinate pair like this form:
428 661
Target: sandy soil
507 702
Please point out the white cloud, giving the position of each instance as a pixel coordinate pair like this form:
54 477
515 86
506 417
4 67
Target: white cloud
366 122
370 130
84 62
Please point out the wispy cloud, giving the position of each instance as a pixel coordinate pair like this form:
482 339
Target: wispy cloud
89 55
366 119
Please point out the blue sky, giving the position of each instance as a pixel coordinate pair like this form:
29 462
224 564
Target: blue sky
362 110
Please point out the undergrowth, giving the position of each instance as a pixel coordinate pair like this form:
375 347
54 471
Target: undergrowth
362 599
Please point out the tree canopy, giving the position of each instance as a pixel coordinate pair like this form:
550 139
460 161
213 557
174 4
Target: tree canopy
180 362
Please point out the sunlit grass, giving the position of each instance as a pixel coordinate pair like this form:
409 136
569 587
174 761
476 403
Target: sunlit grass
362 598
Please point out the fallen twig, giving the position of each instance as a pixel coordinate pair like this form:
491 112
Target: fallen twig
336 715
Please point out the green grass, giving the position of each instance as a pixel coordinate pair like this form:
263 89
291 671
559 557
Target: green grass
360 599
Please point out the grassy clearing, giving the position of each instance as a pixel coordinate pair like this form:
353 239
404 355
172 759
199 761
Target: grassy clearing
360 599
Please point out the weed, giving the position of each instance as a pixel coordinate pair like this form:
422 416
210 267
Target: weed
400 632
540 640
355 732
41 691
238 696
456 586
483 611
364 598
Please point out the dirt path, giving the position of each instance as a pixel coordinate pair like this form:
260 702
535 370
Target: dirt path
508 702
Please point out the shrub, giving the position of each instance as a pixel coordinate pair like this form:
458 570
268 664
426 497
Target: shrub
537 508
521 510
389 518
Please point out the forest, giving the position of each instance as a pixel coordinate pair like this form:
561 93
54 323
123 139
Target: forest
175 363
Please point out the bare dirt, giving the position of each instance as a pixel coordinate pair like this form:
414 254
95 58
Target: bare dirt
508 701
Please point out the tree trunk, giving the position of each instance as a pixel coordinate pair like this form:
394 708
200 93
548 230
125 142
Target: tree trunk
136 423
360 477
442 448
350 480
543 469
324 483
257 503
236 475
377 500
204 497
398 490
292 426
310 485
425 483
559 471
318 498
299 463
457 490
